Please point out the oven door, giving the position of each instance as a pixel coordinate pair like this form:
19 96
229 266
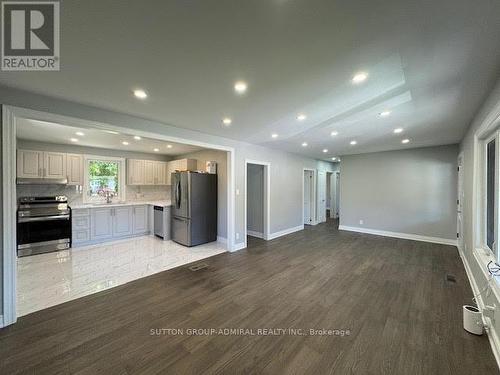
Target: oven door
44 231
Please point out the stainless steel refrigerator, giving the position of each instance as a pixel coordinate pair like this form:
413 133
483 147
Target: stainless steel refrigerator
194 208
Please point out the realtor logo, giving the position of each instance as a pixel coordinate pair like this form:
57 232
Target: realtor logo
30 35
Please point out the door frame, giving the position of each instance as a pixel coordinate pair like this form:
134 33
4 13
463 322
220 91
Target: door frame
267 197
460 189
336 198
10 114
314 195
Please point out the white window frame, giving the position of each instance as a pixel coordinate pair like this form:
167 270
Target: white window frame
121 178
482 233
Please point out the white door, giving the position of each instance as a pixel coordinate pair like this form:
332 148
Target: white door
54 165
149 172
122 221
308 188
321 197
101 223
140 219
74 169
29 164
460 203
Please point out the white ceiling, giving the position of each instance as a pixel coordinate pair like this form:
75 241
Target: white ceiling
41 131
430 62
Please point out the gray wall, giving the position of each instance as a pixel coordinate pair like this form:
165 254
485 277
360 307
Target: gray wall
466 147
255 198
221 158
407 191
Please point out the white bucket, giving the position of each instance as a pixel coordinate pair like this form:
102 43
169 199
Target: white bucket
473 321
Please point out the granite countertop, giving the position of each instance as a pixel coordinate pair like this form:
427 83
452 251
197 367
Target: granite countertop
162 203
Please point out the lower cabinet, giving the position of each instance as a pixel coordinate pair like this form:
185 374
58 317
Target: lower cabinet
140 219
100 224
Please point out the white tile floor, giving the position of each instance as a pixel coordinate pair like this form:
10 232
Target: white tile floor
49 279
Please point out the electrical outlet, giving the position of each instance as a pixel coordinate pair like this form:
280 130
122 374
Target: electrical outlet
237 191
237 236
361 222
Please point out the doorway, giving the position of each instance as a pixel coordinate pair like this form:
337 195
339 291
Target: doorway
321 196
329 195
309 196
257 190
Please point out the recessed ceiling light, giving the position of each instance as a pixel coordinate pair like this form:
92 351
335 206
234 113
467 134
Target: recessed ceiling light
354 143
140 94
398 130
156 149
125 143
137 138
359 77
301 117
240 87
274 135
405 140
325 150
227 121
169 146
304 144
110 132
334 133
81 134
334 158
384 113
73 139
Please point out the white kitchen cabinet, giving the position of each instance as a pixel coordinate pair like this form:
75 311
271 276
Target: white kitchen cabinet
54 165
140 219
29 164
180 165
122 221
135 172
101 223
160 172
74 169
149 172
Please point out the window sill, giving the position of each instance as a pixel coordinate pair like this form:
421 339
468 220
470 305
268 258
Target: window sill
483 257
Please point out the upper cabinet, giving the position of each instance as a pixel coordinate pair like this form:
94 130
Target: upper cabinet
135 172
161 173
180 165
152 172
54 165
149 172
39 164
29 164
74 169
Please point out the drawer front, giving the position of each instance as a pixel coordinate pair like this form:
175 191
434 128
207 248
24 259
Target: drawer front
80 212
81 236
81 222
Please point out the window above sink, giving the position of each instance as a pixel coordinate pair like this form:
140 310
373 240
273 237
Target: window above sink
104 180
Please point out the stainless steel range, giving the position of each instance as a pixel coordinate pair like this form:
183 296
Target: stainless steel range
43 225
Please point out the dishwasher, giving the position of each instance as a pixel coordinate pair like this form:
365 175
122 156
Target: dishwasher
161 219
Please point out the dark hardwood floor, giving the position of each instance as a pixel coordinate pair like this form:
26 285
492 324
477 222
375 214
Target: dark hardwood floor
391 294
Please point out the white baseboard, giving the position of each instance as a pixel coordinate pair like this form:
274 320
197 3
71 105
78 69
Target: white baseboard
222 240
406 236
492 334
285 232
255 234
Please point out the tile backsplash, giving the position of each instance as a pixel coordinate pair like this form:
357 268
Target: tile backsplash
132 193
